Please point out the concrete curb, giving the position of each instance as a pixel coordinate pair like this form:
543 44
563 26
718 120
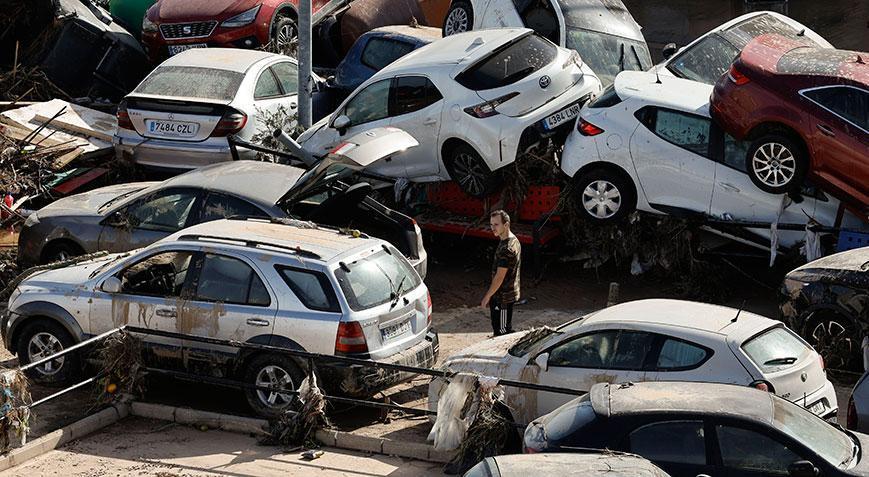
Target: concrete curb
193 417
53 440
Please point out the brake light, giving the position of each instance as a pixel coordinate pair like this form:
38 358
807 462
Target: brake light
123 116
350 338
823 365
763 386
428 309
486 109
736 76
232 122
851 421
587 129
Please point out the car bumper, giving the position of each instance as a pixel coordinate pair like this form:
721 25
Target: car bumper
822 402
364 381
174 155
250 36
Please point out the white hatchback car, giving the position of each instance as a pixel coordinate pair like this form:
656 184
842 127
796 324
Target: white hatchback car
181 114
474 102
650 340
648 143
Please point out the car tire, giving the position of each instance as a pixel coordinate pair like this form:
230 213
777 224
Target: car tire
776 164
285 34
59 251
467 169
41 339
603 196
836 340
266 370
459 19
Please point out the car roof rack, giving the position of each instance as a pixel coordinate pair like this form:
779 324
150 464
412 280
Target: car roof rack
251 243
302 224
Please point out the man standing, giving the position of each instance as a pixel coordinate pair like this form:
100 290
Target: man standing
504 290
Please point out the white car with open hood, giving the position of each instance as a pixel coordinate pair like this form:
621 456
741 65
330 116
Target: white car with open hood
649 340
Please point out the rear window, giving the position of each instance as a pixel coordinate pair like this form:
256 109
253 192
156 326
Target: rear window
376 279
608 98
509 64
775 349
204 83
311 288
380 52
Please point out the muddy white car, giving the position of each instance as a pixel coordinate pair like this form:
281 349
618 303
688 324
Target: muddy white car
650 340
283 283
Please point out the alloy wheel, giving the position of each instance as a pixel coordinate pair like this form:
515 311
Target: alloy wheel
43 345
470 174
274 377
601 199
774 164
833 341
456 22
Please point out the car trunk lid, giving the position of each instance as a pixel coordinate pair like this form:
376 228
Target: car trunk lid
185 120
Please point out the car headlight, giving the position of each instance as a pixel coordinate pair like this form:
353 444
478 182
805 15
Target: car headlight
244 18
148 26
32 219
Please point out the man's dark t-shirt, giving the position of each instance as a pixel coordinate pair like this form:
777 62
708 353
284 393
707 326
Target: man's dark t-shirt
508 255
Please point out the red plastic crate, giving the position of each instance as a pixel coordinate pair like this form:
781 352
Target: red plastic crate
447 196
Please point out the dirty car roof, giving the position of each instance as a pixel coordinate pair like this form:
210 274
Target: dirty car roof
677 93
262 182
230 59
678 313
453 50
580 463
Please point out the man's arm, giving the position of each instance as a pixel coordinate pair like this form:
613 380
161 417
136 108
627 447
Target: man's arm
497 280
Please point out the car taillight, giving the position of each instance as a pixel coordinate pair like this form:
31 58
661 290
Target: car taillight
529 450
232 122
736 76
123 116
428 309
851 421
587 129
763 386
823 365
350 338
486 109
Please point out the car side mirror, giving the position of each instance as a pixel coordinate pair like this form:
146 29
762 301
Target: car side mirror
341 123
669 50
111 285
542 361
802 468
118 219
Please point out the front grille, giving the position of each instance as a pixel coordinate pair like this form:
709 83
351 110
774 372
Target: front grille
171 31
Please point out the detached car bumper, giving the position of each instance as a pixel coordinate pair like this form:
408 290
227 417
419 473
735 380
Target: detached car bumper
364 381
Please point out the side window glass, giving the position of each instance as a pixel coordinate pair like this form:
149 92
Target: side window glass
677 442
380 52
219 206
313 289
229 280
413 93
288 75
163 212
684 130
632 347
850 103
746 450
676 354
371 104
266 86
158 275
590 351
734 153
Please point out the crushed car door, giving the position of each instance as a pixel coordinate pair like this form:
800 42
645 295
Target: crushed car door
671 155
149 219
416 109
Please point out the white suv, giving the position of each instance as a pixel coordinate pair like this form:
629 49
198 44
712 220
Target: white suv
281 283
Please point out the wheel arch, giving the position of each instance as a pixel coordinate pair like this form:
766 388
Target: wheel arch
247 354
41 310
609 166
64 239
772 127
284 9
814 313
451 143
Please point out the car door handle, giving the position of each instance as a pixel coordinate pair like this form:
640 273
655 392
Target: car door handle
166 313
293 106
257 322
430 121
826 130
730 187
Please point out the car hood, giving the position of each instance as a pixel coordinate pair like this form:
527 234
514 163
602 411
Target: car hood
856 260
89 203
185 10
484 354
74 276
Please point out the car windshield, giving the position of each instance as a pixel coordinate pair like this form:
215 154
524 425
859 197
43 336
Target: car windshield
376 279
115 200
192 82
831 443
607 55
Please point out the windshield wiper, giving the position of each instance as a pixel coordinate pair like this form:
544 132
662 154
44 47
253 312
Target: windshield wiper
106 264
775 361
397 293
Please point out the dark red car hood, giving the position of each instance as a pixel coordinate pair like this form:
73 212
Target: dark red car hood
174 11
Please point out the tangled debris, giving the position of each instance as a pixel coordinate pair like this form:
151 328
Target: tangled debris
15 414
121 360
9 268
305 415
490 431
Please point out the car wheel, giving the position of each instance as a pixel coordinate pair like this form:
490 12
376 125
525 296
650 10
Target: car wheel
470 172
285 36
776 164
271 370
604 196
834 338
42 339
56 252
459 19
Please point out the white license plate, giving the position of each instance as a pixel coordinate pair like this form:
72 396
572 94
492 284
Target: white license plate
392 331
157 127
817 408
561 117
175 49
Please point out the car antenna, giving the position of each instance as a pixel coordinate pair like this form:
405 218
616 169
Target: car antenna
802 32
738 312
657 78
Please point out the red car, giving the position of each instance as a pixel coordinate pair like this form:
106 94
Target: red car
806 112
172 26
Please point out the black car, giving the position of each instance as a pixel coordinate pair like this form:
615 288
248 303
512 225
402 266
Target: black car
827 303
689 429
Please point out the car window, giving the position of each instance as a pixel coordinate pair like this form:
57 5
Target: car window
219 206
165 211
371 104
678 354
676 442
509 64
193 82
413 93
852 104
775 349
684 130
609 97
742 33
706 61
229 280
380 52
162 274
828 442
266 86
607 55
594 350
632 347
376 279
311 288
746 450
288 75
